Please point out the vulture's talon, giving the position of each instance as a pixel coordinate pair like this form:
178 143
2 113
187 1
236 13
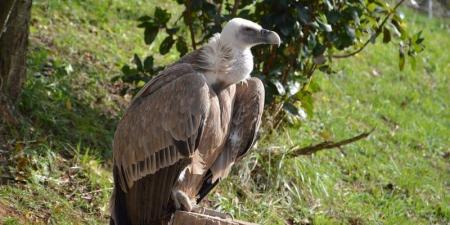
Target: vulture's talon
182 201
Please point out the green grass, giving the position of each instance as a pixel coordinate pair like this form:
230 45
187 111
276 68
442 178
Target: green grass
399 175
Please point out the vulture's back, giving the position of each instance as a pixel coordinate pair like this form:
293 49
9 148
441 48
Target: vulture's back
154 141
180 135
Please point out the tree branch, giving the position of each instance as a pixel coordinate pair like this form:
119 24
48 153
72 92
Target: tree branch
188 20
296 151
235 7
378 31
219 9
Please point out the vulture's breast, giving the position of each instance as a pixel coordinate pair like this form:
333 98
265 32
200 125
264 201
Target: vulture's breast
217 124
212 140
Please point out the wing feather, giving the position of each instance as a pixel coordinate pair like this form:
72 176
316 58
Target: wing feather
160 124
245 122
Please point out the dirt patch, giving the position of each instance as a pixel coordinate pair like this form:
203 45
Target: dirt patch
6 211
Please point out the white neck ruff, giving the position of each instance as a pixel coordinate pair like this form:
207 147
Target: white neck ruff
225 64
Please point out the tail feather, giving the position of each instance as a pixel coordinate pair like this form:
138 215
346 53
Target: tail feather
148 201
119 213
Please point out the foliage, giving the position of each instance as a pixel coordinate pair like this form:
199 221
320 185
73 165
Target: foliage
314 34
394 177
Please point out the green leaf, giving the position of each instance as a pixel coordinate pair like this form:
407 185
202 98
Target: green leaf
171 31
386 35
350 32
394 30
400 26
181 46
319 49
148 64
325 27
166 45
209 9
304 15
161 16
371 7
326 69
294 110
126 69
418 39
140 84
129 73
196 5
329 5
290 108
279 87
115 78
311 41
144 24
150 34
307 103
144 18
286 30
402 59
333 17
355 16
293 88
138 62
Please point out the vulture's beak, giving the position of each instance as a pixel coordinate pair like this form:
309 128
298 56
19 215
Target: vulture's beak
270 37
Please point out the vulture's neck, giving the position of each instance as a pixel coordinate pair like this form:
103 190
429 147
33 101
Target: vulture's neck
225 64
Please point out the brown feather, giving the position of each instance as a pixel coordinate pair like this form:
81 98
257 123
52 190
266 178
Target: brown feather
247 112
138 139
175 122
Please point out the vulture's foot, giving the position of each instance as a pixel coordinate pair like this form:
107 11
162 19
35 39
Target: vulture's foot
182 201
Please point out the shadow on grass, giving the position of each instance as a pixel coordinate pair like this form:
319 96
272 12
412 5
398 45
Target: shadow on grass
64 105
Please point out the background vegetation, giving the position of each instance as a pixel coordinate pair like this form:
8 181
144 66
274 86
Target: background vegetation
398 176
313 34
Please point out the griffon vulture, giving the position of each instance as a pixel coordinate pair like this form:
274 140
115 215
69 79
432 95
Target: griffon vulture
187 127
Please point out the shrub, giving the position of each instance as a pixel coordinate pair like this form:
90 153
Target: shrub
314 34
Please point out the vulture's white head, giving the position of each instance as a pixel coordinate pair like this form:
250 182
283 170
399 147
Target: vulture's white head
246 34
227 58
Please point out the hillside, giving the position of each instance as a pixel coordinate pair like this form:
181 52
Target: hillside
399 175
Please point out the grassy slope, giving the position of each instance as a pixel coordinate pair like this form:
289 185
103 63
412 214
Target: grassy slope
398 176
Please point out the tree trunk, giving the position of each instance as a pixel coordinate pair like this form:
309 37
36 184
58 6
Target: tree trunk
14 29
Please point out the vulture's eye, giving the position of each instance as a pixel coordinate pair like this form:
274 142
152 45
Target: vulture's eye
248 29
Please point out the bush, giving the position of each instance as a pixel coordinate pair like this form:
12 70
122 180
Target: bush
314 34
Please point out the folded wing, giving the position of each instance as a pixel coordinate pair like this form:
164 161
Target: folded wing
163 124
245 122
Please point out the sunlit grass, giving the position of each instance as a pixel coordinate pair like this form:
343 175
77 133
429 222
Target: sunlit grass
399 175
